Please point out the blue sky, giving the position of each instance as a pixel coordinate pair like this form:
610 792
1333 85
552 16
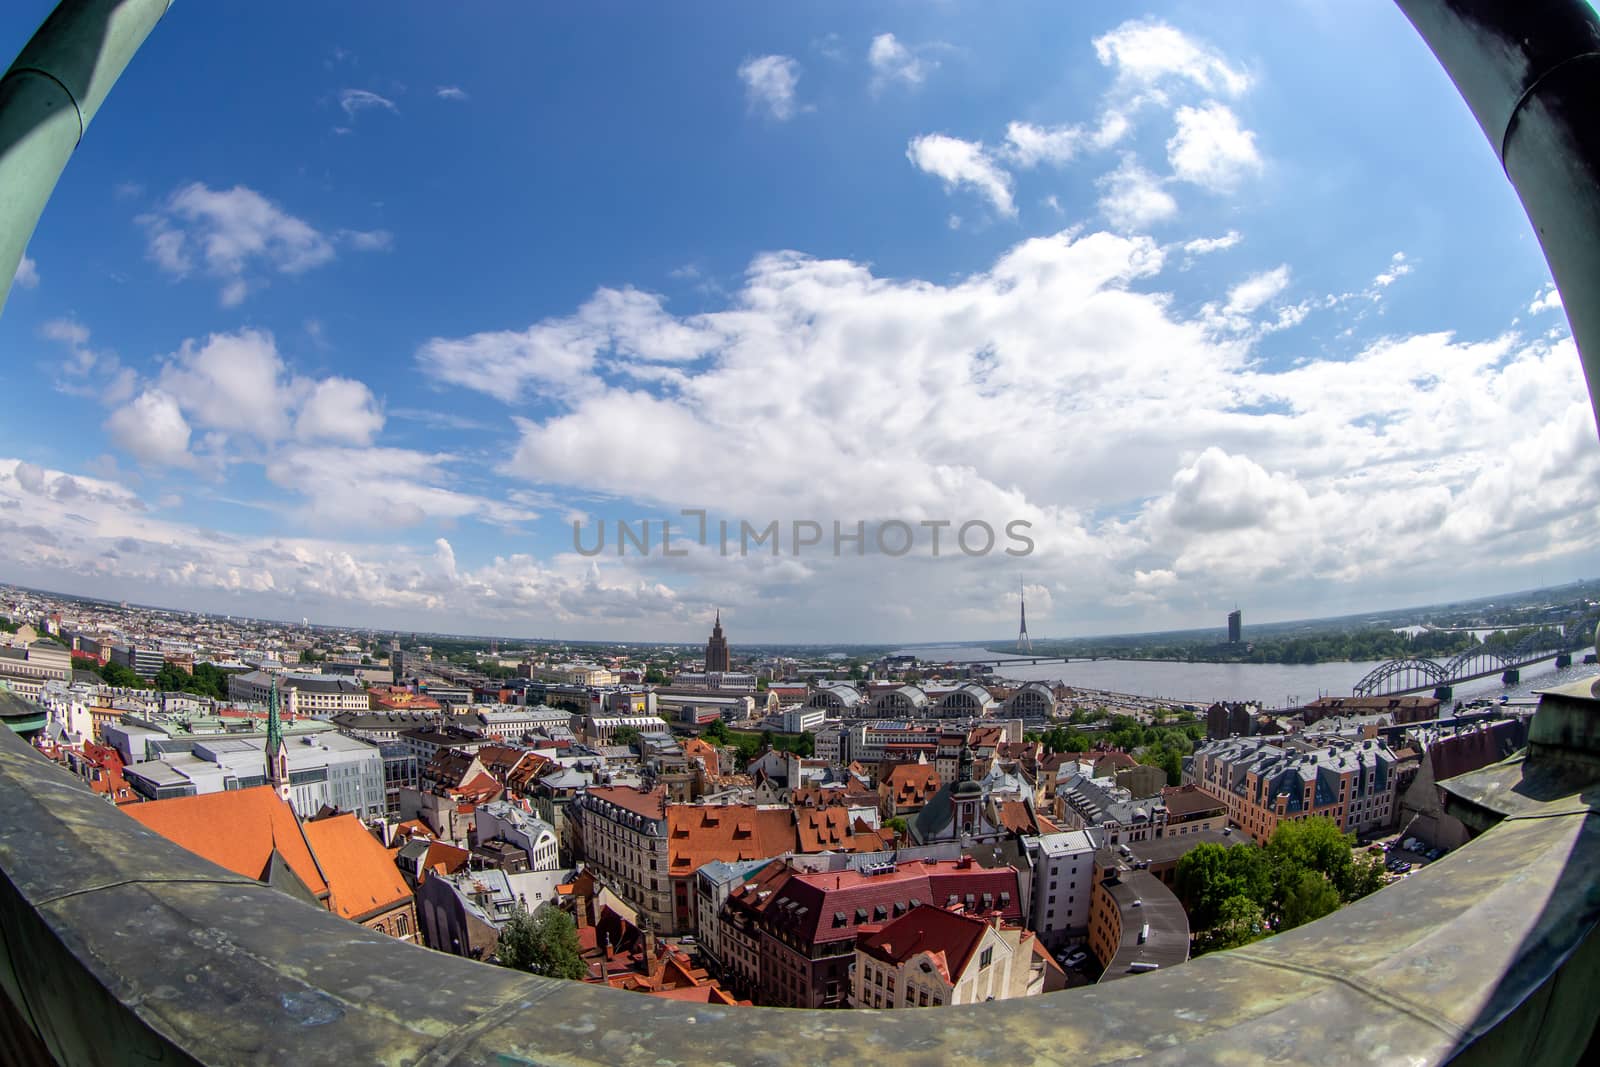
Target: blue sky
351 312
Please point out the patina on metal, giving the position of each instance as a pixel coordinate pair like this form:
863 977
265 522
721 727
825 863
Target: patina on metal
1530 72
48 98
120 946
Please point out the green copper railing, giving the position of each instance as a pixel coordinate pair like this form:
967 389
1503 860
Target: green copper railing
47 99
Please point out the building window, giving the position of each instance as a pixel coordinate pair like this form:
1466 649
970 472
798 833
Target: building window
986 958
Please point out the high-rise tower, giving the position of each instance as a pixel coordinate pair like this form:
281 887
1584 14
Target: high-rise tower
1235 626
1023 644
717 648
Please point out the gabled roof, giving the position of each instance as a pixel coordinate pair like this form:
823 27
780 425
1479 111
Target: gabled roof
949 938
237 829
444 858
361 875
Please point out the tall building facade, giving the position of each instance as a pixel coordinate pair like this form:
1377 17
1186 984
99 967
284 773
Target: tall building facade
1235 626
717 648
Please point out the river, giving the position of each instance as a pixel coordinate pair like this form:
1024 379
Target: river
1270 684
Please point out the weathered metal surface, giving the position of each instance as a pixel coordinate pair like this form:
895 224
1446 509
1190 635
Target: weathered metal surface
119 945
47 99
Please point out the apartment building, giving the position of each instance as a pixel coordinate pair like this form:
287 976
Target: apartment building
1063 883
320 696
930 957
789 937
621 832
1263 781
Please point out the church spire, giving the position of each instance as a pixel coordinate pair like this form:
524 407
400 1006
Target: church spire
277 758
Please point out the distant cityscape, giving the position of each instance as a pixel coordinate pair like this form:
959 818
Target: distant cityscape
734 826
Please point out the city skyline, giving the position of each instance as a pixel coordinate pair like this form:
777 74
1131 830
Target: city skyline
350 357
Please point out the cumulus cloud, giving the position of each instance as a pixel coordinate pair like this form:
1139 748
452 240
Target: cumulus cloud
238 237
152 429
1155 66
1132 198
963 163
339 409
1150 55
892 61
770 83
1214 468
628 328
1211 149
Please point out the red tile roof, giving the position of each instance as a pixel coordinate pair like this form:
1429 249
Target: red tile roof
361 874
911 783
835 906
950 938
237 829
444 858
696 834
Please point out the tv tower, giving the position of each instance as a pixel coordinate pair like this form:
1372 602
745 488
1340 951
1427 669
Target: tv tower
1023 644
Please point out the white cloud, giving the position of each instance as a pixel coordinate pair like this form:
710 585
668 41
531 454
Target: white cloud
1149 54
892 61
1201 246
558 357
1340 471
957 162
451 92
1132 198
1211 150
339 409
232 382
1546 299
235 235
368 240
1398 268
27 275
1028 145
770 83
86 371
355 101
1249 295
152 429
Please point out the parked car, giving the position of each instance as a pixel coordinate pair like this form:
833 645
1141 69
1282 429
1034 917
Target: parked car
1076 958
1434 854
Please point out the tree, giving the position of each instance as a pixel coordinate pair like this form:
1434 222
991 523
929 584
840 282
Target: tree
172 678
1240 921
118 675
716 733
899 825
545 943
1308 896
655 676
625 735
1316 844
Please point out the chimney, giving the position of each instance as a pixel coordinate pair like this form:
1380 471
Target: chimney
649 942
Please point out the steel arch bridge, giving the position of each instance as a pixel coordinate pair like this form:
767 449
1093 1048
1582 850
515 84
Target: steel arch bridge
1411 675
1400 676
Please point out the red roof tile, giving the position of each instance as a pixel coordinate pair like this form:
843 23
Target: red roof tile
361 874
237 829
